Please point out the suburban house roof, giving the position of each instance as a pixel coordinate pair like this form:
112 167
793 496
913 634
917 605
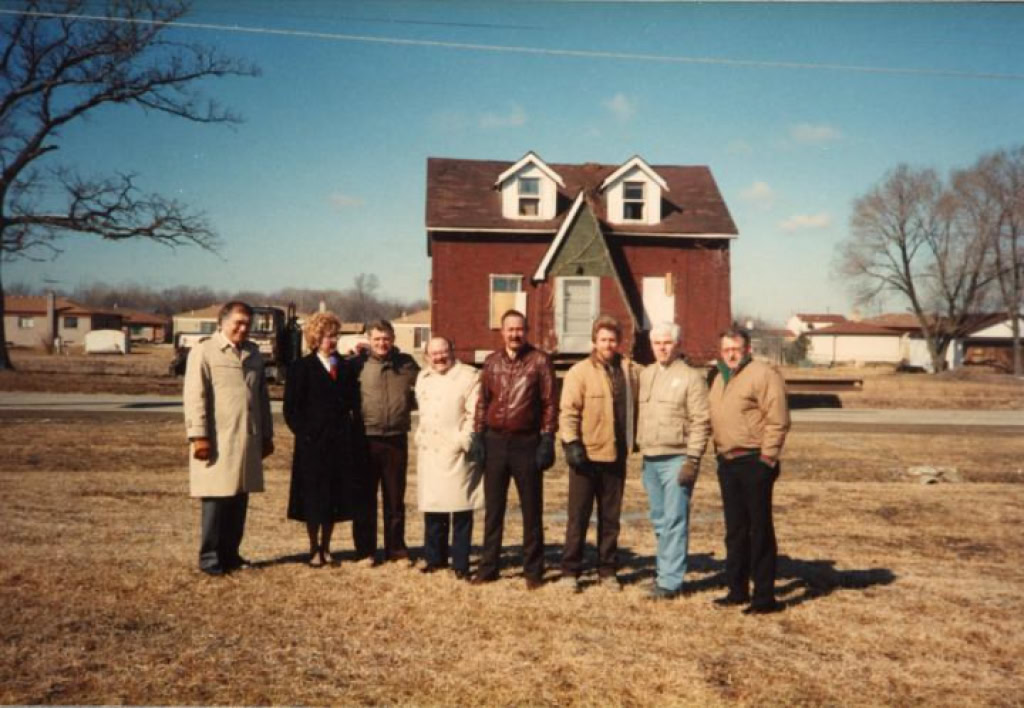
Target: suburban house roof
138 317
36 305
461 197
821 319
854 329
422 317
202 313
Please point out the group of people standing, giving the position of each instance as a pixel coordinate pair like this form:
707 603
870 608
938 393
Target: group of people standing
480 430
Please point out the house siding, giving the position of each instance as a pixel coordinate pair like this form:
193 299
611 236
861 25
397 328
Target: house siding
461 268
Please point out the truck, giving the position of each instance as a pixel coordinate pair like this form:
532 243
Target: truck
275 331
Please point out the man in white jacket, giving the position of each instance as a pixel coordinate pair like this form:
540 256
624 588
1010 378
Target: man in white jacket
448 484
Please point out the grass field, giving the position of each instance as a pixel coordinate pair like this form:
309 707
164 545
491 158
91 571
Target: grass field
896 593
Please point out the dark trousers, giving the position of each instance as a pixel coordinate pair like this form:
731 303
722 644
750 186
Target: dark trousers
388 457
746 485
603 481
222 524
512 457
436 529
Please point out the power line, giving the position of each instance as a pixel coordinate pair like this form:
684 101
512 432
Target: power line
537 51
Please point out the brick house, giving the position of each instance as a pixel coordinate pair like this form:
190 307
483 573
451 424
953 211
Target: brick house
566 242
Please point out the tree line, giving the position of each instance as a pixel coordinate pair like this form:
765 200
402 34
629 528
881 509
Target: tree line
948 247
360 303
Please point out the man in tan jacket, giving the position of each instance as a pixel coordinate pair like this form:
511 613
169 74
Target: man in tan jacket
672 432
596 424
228 423
749 419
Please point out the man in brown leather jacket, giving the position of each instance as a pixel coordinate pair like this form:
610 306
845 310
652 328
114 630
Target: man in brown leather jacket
514 437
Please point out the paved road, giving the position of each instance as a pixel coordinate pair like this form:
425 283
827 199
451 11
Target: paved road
874 420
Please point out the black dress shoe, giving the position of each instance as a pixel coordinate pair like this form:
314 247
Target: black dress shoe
731 600
428 569
213 570
764 608
534 583
483 579
462 574
238 564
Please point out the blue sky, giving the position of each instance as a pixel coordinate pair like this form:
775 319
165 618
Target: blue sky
326 177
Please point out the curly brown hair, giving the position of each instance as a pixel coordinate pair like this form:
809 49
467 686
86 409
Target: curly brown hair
318 325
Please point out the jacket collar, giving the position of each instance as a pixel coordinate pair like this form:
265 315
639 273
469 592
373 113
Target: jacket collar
527 348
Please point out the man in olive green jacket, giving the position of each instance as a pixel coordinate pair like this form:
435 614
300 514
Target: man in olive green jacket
228 423
597 411
386 380
750 420
672 432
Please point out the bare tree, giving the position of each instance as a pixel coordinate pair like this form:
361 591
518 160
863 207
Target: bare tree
996 193
58 66
912 237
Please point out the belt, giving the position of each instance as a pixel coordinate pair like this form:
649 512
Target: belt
738 453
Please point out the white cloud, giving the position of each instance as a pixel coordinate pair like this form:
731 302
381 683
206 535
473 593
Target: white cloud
804 222
513 118
811 134
449 121
339 201
739 147
760 194
621 107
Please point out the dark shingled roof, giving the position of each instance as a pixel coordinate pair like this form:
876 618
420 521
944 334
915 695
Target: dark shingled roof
461 195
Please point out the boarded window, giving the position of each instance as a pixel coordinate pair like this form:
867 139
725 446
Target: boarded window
506 294
529 207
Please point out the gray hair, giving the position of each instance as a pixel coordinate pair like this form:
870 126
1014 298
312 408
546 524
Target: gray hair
436 338
667 328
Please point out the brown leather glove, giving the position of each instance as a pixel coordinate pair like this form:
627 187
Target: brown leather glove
201 448
688 472
268 448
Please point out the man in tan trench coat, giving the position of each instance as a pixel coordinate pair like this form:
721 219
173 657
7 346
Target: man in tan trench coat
228 423
448 483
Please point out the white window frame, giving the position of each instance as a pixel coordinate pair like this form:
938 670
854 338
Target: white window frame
528 196
580 344
26 322
627 201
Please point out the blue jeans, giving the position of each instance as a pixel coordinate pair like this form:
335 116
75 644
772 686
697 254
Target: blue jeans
670 515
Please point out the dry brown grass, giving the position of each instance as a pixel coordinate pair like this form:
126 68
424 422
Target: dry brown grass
897 593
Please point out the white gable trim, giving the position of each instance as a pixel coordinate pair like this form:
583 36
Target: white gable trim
639 163
542 269
528 159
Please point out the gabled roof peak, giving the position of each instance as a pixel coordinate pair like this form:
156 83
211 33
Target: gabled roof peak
634 162
530 158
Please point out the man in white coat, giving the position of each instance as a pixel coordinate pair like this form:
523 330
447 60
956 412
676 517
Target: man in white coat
228 423
449 484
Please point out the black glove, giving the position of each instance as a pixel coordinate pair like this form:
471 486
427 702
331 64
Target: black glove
688 472
576 455
545 451
477 449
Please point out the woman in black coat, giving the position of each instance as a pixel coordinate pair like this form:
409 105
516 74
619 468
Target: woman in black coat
321 407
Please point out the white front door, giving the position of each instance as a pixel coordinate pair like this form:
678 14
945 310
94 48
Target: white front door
659 303
577 301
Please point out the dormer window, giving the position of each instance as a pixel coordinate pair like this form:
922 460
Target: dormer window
633 193
529 196
633 201
529 189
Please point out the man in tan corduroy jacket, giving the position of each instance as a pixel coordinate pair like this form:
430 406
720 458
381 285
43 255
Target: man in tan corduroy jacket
597 410
749 421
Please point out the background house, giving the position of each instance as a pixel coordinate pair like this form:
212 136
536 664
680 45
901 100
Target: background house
32 320
202 321
567 242
854 343
412 331
146 326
